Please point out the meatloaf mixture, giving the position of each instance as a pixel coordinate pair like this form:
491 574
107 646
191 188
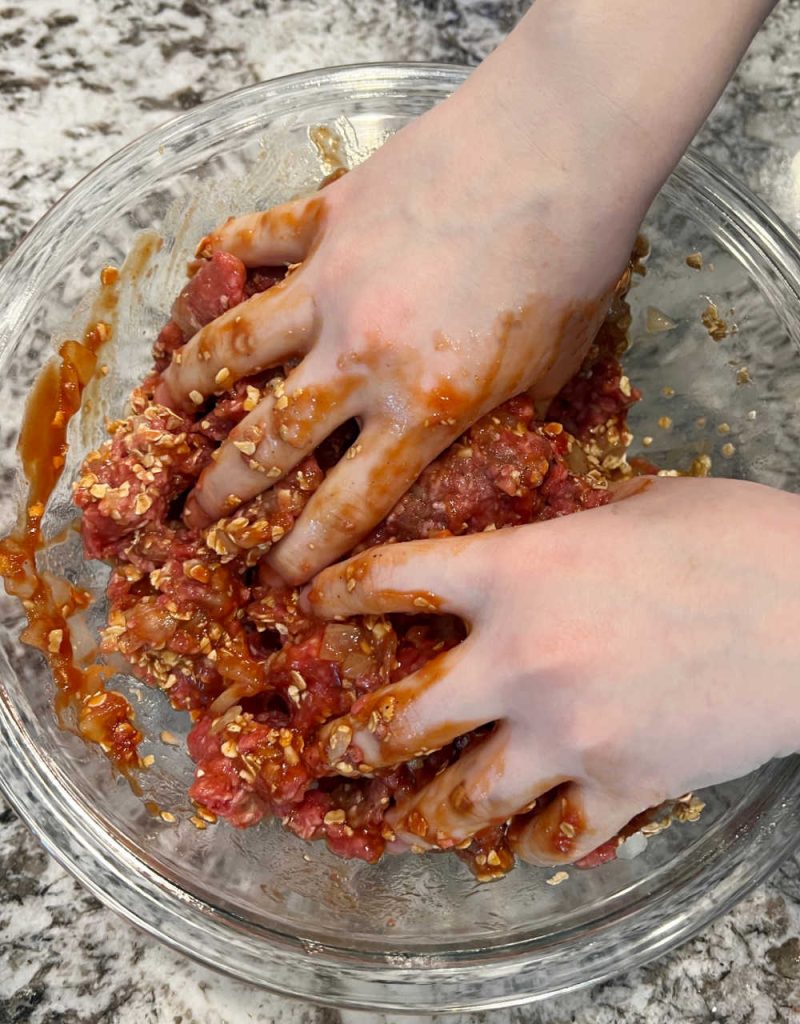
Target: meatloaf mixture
197 615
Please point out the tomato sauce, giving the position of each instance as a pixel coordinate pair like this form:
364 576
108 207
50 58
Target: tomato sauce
42 446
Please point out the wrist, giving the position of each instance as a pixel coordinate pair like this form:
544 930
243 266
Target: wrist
527 155
600 100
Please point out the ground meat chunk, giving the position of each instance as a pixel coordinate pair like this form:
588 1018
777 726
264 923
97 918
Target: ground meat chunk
131 480
217 286
508 469
169 340
259 279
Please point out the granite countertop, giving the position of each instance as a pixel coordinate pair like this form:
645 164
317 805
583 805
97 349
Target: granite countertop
78 79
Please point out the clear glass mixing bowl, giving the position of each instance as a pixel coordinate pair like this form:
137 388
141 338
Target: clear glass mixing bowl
413 933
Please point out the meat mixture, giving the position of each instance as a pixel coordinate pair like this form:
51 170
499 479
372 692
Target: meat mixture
197 614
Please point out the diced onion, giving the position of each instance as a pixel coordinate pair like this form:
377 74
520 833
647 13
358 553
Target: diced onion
339 640
357 664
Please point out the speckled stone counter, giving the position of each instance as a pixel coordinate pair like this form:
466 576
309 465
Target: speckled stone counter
80 78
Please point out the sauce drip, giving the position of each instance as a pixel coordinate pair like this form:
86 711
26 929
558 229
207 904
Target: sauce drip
101 717
330 147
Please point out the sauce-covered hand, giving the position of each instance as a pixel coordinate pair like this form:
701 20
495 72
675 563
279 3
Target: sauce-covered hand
428 292
627 654
467 260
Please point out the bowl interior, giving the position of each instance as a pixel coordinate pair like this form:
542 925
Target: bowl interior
735 401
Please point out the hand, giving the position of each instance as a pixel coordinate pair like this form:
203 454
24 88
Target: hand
627 654
469 259
436 281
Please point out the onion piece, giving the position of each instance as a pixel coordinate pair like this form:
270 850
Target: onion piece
358 664
339 640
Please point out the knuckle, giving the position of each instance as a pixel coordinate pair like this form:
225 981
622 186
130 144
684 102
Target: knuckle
343 516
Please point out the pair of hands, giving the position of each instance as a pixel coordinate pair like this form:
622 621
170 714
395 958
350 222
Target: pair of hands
631 653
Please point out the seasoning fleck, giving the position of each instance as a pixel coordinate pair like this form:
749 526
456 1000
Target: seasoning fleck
717 327
701 466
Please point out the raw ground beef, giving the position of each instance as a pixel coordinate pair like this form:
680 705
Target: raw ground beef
199 616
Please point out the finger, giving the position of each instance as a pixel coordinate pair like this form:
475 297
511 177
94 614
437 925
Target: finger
260 333
269 442
283 234
413 577
485 787
357 494
425 711
578 820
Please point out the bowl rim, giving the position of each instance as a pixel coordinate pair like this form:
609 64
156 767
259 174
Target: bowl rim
398 983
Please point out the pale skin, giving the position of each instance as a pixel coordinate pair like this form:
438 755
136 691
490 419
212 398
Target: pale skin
629 701
472 258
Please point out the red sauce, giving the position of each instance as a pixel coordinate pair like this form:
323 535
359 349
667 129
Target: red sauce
49 603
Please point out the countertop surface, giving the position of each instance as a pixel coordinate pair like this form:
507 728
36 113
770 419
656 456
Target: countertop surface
80 78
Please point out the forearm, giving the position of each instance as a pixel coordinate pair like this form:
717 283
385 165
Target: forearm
609 93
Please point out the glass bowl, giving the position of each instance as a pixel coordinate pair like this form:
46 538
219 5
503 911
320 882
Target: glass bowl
411 934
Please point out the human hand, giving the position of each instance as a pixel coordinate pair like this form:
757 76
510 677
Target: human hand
468 259
627 655
436 281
